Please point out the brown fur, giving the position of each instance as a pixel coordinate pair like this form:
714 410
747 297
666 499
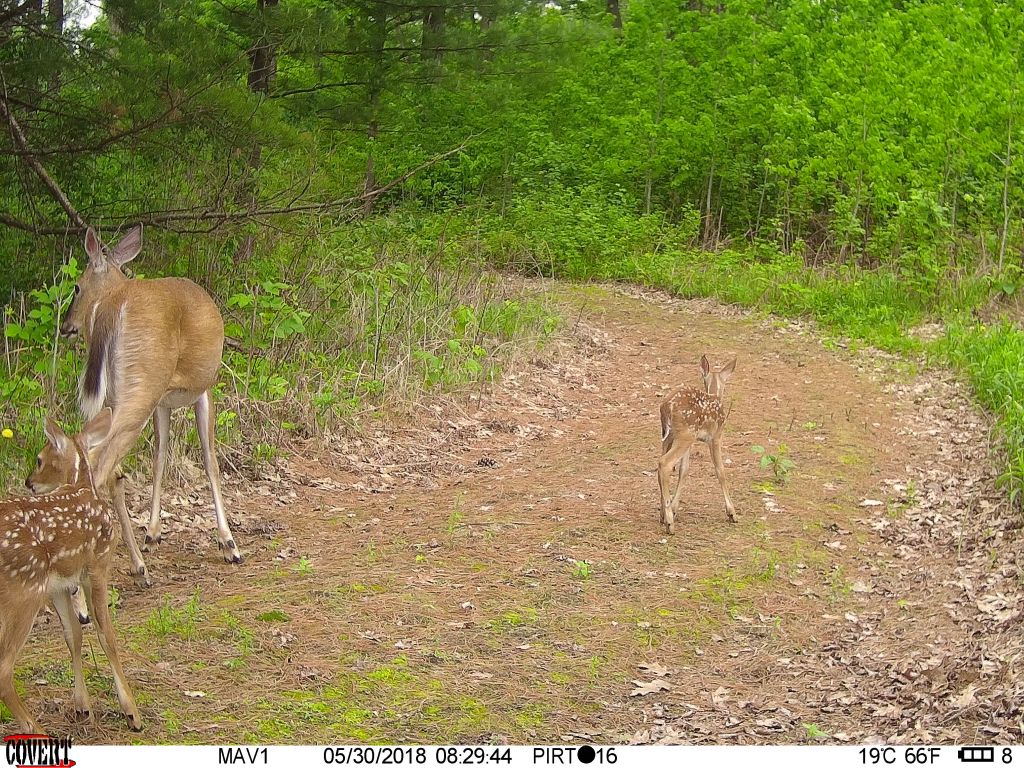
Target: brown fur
52 543
689 415
153 345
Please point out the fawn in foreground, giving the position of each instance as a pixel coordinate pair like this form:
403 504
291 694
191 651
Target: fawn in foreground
53 543
153 345
688 415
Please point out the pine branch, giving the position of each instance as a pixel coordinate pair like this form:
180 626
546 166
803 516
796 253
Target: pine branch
33 162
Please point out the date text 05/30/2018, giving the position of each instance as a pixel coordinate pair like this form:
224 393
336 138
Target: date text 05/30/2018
501 756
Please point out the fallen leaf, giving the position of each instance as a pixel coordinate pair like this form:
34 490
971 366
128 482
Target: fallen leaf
965 697
654 686
720 695
656 669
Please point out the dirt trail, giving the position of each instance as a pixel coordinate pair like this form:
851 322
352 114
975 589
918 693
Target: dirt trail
504 577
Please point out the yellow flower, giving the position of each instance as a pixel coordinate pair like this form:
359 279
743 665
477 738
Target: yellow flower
7 433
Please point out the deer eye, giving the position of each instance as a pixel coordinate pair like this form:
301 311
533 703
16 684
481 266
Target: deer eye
78 289
39 462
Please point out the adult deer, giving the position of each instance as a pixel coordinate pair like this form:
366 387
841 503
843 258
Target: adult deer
153 345
689 415
57 541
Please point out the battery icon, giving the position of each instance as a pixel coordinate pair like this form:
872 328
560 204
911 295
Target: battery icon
976 754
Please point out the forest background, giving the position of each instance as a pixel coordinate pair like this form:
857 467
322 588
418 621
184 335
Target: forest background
355 180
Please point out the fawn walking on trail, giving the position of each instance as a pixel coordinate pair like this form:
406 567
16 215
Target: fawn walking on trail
689 415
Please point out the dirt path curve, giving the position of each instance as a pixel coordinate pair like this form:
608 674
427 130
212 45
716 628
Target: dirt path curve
500 575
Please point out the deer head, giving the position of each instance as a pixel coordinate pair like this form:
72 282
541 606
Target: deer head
102 274
715 380
61 462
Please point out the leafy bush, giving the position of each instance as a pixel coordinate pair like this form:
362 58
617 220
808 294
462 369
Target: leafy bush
993 359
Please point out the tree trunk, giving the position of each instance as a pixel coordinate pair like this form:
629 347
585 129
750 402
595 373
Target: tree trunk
708 223
433 32
112 21
262 66
615 12
378 39
1006 191
261 55
55 16
488 14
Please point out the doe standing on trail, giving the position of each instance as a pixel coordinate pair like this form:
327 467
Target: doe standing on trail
152 346
51 544
688 415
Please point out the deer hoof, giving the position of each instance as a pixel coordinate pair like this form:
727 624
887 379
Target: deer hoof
230 550
83 714
151 542
134 722
141 577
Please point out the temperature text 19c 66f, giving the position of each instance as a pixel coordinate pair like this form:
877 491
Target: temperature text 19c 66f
914 756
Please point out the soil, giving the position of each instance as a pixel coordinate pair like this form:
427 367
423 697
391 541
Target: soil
492 570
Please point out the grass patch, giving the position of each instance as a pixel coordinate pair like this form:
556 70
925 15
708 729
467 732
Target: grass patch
167 620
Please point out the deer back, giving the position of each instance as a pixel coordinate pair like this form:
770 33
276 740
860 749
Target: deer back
47 539
151 336
145 338
692 409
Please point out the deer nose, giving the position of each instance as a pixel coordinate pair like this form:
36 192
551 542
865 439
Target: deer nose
67 328
28 483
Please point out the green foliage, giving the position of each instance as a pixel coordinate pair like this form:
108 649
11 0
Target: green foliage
857 163
778 462
993 360
582 570
182 622
36 369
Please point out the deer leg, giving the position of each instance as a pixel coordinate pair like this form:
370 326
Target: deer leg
204 425
63 602
666 446
684 467
14 630
666 466
161 433
138 567
122 436
716 457
96 594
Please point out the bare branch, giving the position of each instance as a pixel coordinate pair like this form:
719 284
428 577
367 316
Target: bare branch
35 165
215 218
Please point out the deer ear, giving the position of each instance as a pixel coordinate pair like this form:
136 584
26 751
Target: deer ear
726 370
94 249
55 435
128 248
705 366
96 431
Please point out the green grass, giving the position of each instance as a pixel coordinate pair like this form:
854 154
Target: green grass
167 620
878 306
993 359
